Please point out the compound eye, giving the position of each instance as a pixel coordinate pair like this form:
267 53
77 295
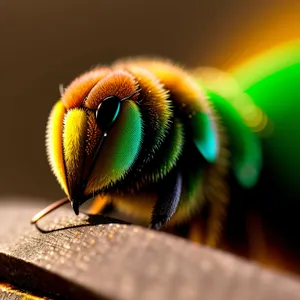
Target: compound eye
107 112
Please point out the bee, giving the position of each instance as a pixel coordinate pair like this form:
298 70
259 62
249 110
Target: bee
142 138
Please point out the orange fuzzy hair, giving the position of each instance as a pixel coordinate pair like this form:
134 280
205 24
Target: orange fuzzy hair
80 87
118 83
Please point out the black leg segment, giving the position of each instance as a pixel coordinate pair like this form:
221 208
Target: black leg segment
168 200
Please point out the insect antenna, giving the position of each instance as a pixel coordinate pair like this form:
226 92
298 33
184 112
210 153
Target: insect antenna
61 89
49 209
133 94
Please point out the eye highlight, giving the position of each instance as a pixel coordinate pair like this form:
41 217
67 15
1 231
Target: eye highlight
107 112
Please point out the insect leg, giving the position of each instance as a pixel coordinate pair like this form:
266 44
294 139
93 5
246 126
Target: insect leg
168 200
217 192
218 197
196 233
99 204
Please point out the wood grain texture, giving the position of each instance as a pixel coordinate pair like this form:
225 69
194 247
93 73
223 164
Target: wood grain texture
9 292
91 258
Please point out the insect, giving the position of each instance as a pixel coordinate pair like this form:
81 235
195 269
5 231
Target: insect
142 137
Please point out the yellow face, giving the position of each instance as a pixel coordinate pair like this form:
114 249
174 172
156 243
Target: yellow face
94 133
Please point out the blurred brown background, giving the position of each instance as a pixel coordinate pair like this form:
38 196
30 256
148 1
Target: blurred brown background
45 43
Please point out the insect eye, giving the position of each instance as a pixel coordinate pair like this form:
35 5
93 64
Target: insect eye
107 112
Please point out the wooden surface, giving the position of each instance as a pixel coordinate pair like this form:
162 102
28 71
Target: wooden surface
97 260
10 292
